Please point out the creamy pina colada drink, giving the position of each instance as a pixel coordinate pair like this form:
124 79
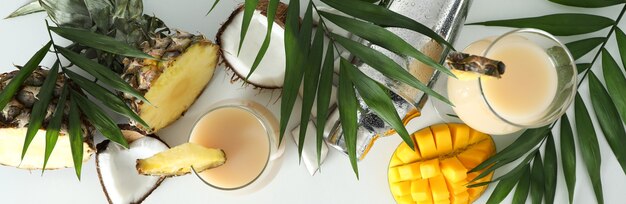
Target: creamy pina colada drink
522 95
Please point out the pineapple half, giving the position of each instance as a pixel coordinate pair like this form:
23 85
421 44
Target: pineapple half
185 66
14 120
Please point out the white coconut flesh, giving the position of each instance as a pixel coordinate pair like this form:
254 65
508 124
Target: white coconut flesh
119 177
12 141
271 71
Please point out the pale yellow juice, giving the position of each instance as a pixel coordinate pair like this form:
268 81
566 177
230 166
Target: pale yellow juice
243 138
521 96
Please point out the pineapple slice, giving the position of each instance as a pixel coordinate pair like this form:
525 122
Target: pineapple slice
437 172
180 160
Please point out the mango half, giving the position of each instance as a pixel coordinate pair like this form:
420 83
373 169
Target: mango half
437 171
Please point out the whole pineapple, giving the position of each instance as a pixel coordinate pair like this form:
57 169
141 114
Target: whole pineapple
14 120
186 65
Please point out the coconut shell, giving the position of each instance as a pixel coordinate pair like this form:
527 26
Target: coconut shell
280 18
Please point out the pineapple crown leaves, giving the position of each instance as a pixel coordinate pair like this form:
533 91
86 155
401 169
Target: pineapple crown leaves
80 105
301 50
608 102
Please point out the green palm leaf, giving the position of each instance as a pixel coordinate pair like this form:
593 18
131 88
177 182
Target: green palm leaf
504 187
347 105
608 118
568 156
523 187
378 100
582 67
384 38
52 131
582 47
324 90
384 17
10 89
103 123
213 6
248 11
40 108
620 37
588 142
271 14
98 41
550 169
558 24
615 83
311 78
537 180
385 65
76 135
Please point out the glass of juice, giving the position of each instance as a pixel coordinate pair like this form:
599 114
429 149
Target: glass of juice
248 134
538 85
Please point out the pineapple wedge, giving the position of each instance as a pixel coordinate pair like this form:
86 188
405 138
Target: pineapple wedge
180 160
438 169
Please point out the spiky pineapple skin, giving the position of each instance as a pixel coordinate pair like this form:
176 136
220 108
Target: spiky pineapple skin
143 74
15 117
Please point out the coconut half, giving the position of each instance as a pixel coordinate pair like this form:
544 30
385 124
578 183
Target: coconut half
120 180
271 70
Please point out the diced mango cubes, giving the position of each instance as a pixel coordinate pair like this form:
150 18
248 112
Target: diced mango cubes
430 168
426 143
409 172
443 139
453 169
420 191
436 173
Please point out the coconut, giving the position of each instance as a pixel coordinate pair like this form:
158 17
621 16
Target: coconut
120 180
271 70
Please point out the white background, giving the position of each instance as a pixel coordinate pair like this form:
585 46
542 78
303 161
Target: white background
21 37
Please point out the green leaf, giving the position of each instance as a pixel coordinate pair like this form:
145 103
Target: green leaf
100 119
324 91
347 104
568 156
40 108
378 100
529 139
620 37
582 67
384 38
54 126
311 78
293 54
101 72
550 169
271 14
582 47
608 118
537 180
385 65
589 148
509 174
98 41
248 11
588 3
10 89
384 17
109 99
76 135
615 83
523 187
557 24
213 7
504 187
29 8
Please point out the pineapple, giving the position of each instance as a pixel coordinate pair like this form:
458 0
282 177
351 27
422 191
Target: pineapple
171 85
14 120
180 159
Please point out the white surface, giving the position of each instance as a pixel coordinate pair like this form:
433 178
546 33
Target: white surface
335 184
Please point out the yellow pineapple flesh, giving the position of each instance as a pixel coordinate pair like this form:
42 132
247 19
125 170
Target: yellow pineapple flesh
180 160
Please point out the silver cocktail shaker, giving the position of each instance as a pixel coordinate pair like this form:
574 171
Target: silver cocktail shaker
443 16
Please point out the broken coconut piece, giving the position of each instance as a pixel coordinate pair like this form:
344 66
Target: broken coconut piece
172 83
271 70
14 120
116 167
180 160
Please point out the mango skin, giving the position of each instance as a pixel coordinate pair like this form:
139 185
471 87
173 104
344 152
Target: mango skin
436 172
